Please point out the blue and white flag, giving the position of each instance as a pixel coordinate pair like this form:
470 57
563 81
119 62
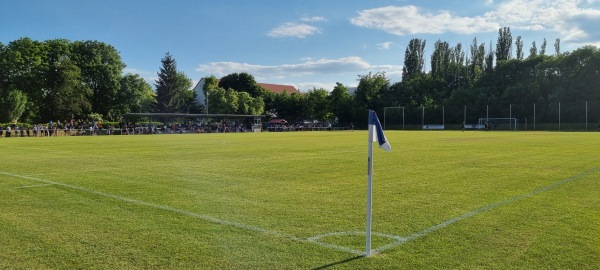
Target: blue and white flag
378 135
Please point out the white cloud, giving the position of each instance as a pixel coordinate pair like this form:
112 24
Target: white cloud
290 29
137 71
385 45
308 67
306 86
313 19
148 76
572 19
409 20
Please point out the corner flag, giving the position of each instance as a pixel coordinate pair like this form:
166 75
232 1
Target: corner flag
375 135
378 135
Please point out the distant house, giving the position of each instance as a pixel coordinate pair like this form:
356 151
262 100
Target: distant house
274 88
279 88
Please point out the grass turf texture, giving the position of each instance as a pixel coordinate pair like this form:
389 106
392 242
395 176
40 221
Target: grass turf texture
242 201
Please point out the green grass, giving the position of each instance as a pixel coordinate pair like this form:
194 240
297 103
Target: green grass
251 201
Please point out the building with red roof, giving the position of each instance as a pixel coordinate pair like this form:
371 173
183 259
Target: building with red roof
274 88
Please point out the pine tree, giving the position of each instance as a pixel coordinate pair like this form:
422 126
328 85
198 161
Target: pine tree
172 88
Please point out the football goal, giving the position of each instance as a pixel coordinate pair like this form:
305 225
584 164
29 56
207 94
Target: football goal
499 123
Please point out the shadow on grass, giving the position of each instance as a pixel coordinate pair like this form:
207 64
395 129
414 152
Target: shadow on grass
339 262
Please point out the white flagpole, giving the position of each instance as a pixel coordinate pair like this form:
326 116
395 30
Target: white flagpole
369 190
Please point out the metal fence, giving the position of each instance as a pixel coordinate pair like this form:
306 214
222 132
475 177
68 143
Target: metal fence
537 116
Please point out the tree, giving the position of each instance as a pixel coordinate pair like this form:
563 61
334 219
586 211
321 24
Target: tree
210 83
66 96
23 67
519 44
543 48
477 59
101 70
13 106
504 44
557 47
231 101
317 105
440 59
341 103
172 88
414 58
533 50
489 60
421 91
136 95
288 106
242 82
371 88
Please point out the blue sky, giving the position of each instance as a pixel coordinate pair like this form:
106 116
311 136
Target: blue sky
305 43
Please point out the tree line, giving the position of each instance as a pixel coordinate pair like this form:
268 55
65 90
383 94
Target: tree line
60 79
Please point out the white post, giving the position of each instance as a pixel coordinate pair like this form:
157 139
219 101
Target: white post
586 115
402 118
510 116
369 190
423 116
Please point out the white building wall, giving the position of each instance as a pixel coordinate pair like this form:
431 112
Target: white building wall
200 98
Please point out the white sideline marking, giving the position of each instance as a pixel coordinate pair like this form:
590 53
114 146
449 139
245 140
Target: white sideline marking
188 213
399 240
485 208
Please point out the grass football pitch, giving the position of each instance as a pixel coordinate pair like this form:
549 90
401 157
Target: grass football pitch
441 200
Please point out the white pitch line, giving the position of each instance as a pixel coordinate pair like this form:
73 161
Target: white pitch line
188 213
485 209
40 185
314 239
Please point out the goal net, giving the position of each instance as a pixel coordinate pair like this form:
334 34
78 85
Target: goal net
499 123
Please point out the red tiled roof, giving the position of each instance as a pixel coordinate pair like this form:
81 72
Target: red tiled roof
279 88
